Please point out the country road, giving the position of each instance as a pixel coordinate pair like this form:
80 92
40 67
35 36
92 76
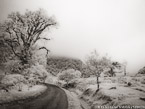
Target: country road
53 98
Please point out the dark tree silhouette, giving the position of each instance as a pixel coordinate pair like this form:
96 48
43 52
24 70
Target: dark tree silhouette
21 31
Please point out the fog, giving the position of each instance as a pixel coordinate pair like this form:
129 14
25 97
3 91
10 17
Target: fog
115 27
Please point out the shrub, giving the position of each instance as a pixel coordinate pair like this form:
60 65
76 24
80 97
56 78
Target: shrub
39 56
15 67
13 80
61 83
51 79
68 75
122 80
35 74
91 80
129 83
143 80
81 86
142 71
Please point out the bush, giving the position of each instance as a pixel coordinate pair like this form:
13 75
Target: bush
39 56
51 79
61 83
91 81
143 80
13 81
122 80
15 67
129 83
81 86
68 75
142 71
35 74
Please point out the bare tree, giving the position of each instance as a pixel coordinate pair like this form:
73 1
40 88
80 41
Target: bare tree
22 31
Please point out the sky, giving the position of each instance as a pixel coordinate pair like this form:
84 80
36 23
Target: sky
115 27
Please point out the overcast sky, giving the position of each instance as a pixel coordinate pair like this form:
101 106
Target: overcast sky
115 27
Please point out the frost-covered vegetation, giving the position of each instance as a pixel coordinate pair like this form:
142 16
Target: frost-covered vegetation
141 71
113 83
23 58
114 91
56 64
25 65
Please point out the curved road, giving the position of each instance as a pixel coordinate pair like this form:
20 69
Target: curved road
53 98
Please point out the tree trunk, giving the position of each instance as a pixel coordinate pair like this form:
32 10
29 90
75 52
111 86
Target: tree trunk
125 71
98 85
25 55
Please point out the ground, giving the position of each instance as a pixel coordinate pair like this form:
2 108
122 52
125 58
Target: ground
114 91
114 94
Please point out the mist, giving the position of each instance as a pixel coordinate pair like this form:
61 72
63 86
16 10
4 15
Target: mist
115 27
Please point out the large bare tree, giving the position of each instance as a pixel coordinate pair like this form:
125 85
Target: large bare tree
21 31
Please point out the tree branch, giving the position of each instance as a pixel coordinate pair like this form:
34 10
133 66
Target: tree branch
44 49
9 42
45 38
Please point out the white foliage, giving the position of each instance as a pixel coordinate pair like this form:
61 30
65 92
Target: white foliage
39 56
143 80
36 73
69 75
12 66
13 79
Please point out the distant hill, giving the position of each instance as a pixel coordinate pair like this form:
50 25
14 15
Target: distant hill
56 64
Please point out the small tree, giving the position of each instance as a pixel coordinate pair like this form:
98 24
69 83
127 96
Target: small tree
21 31
97 65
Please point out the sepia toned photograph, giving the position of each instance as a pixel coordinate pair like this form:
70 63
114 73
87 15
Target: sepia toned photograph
72 54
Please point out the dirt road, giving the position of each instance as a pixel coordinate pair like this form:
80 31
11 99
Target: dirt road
53 98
